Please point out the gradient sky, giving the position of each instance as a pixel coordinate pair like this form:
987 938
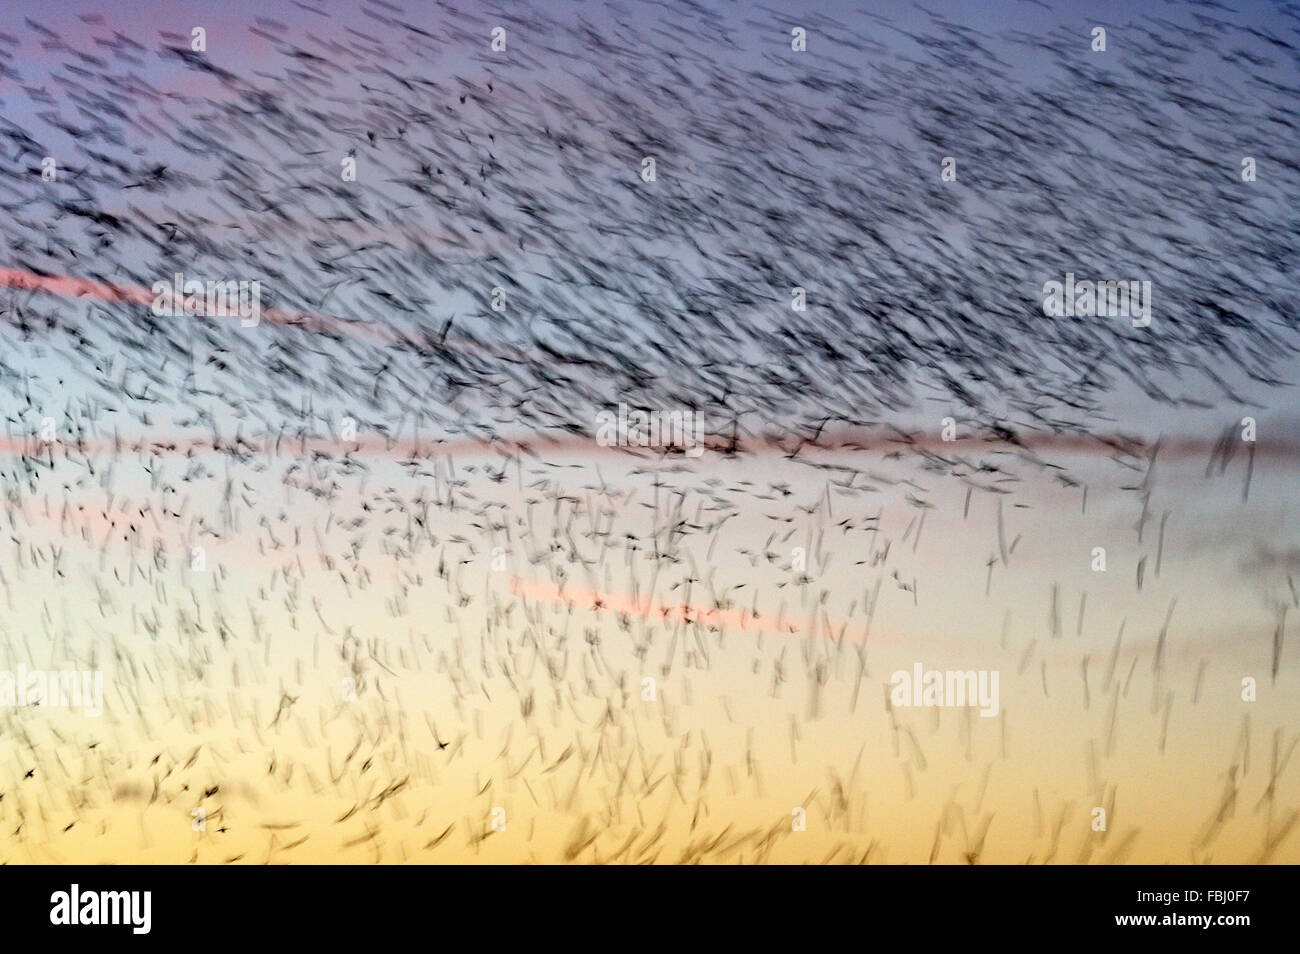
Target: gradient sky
199 664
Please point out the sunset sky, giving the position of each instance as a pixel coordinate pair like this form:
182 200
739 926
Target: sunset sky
430 640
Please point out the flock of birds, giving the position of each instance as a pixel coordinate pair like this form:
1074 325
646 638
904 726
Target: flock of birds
363 585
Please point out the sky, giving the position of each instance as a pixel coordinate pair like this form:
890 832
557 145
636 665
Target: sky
340 650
